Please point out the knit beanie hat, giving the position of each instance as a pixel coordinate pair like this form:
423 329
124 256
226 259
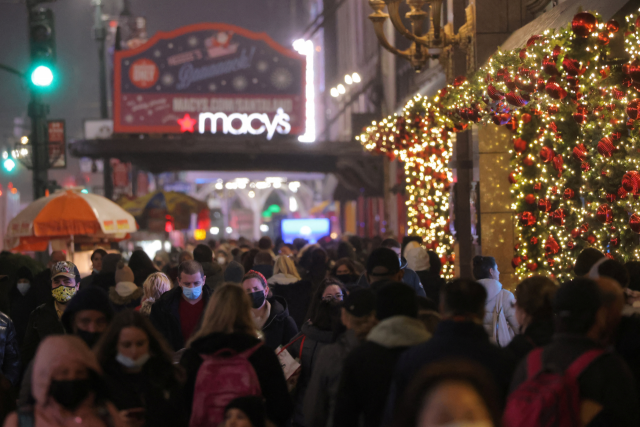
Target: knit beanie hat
396 299
124 273
253 408
89 298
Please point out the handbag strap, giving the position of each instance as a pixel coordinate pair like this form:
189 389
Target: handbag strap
302 336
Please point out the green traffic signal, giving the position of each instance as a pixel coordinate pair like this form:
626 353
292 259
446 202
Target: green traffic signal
42 76
9 164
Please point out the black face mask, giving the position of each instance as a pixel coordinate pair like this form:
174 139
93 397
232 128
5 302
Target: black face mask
90 338
257 299
70 394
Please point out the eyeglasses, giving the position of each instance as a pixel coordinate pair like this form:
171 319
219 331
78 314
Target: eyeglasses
337 297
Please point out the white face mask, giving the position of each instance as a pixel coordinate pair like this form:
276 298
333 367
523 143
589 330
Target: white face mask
127 362
24 287
222 260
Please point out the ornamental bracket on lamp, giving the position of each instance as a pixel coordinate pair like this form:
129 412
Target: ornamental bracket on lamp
436 43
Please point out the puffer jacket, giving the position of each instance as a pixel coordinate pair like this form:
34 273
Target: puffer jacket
279 328
9 354
308 350
493 288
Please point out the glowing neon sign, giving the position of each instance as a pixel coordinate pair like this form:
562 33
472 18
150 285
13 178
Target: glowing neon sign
239 124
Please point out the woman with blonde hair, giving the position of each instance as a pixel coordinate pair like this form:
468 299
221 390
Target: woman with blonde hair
228 332
284 272
155 285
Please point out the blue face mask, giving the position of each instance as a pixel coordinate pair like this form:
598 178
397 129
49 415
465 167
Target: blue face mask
192 293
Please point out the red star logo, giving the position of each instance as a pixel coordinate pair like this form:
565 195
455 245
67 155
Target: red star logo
186 123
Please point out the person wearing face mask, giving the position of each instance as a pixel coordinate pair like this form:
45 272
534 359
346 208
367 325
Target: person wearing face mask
23 299
88 315
345 271
67 389
141 379
455 393
270 314
177 313
45 319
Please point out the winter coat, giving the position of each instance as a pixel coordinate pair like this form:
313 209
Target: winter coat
21 306
298 297
58 352
43 322
165 315
452 339
320 399
432 284
493 288
121 302
410 278
607 380
627 345
88 280
279 328
368 371
9 354
537 334
155 389
314 340
213 274
264 361
104 280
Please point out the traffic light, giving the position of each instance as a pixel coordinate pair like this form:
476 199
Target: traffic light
7 162
42 46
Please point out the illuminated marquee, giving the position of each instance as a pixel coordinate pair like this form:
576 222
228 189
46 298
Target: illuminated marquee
242 124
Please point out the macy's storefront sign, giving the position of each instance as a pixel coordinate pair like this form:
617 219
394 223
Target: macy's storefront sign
238 123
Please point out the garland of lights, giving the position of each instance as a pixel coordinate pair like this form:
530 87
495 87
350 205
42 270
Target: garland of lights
576 149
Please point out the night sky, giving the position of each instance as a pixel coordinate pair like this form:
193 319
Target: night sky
76 96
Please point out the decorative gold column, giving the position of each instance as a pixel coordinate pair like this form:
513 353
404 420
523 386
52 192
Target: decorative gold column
497 220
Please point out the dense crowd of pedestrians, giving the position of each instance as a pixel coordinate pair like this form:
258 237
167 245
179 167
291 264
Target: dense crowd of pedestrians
348 332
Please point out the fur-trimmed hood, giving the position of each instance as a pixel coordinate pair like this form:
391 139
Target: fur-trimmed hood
118 299
399 331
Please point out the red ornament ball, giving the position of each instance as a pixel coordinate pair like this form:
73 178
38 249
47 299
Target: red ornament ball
575 233
526 118
494 93
604 214
515 262
512 178
613 26
591 239
551 246
558 216
606 147
603 39
530 199
580 152
583 24
520 145
634 223
631 182
458 81
532 266
633 110
527 161
555 91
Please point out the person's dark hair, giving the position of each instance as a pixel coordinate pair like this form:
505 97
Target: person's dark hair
24 273
317 295
327 317
299 243
343 261
408 412
633 267
265 243
390 243
356 242
535 296
616 271
100 251
255 275
190 267
203 253
576 305
345 250
318 266
141 265
587 258
435 264
482 266
464 297
396 299
263 258
249 259
110 263
107 347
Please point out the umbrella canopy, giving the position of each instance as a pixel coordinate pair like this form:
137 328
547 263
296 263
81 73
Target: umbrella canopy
67 213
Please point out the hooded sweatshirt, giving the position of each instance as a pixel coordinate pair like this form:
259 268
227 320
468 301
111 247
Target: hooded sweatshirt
493 288
59 352
368 370
279 328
